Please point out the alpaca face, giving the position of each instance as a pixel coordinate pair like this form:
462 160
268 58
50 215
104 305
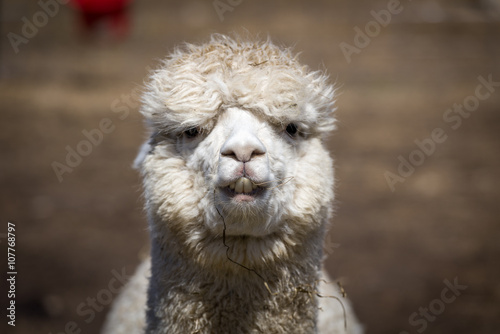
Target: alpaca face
247 174
236 148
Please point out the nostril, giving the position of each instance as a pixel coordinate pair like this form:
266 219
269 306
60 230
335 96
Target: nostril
228 153
258 151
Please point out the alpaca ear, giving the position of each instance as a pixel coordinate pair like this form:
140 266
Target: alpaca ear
144 150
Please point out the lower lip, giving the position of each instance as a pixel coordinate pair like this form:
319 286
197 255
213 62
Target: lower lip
242 197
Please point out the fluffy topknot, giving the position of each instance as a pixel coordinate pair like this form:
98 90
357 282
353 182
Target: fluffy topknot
195 82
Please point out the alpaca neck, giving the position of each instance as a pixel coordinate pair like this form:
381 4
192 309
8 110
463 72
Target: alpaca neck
185 297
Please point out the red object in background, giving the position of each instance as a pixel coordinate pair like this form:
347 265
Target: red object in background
111 14
101 6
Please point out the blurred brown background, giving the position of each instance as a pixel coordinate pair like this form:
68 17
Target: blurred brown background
393 250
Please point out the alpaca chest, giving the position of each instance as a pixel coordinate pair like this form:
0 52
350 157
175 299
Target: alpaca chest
249 309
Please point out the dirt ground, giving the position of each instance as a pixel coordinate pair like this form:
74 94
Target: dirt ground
396 250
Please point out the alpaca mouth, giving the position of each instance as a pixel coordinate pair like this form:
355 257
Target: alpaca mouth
243 189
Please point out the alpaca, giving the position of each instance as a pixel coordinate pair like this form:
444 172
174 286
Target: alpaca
239 191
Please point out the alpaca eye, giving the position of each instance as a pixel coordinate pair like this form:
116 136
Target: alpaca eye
192 132
292 129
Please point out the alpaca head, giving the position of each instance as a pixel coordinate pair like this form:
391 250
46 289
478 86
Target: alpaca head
236 148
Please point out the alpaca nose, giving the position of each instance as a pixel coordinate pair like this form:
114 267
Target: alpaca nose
243 146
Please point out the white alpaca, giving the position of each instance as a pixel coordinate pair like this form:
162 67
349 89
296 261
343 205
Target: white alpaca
238 189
